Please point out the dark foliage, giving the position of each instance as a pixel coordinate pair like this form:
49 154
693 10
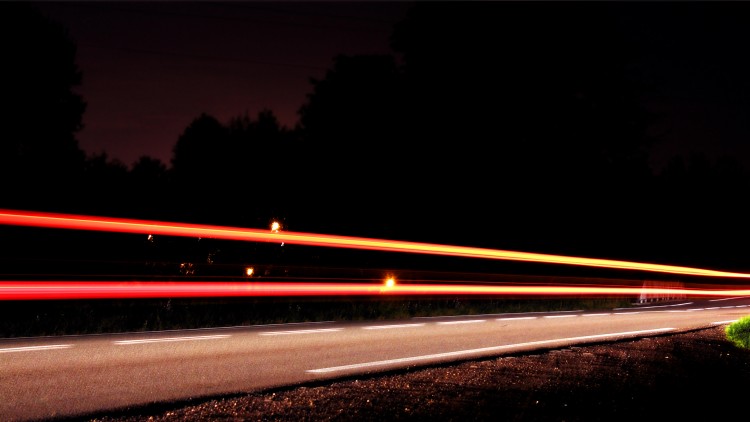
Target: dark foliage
40 161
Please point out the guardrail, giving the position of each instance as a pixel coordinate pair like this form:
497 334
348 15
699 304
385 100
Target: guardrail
649 295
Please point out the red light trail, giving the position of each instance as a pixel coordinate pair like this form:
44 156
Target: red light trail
44 290
122 225
51 290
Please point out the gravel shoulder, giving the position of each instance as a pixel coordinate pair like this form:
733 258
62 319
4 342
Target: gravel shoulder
689 376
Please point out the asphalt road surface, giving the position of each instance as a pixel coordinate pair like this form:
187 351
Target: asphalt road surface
54 377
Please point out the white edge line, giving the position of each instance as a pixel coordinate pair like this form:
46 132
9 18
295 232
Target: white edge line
559 316
170 339
515 318
282 333
604 314
384 327
126 333
35 348
724 322
490 315
476 351
470 321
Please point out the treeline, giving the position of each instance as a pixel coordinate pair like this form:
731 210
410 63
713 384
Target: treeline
490 124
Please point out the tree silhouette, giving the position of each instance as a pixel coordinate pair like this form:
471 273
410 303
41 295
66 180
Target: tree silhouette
356 156
150 190
532 117
701 211
265 161
106 185
40 111
501 118
200 175
147 170
235 173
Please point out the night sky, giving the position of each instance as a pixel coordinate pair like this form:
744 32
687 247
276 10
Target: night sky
150 68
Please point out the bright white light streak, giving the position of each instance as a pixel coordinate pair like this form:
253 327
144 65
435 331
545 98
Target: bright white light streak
515 318
285 333
472 321
469 352
170 339
35 348
386 327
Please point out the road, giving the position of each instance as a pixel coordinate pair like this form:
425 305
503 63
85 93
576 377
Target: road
57 377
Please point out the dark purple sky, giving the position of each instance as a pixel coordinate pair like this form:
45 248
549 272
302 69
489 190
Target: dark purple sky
149 68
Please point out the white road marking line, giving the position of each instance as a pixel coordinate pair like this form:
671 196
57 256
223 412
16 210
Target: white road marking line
596 314
230 327
385 327
559 316
471 321
170 339
284 333
630 313
658 306
481 315
514 318
35 348
723 322
474 351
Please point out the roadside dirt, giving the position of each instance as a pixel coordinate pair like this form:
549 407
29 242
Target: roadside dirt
686 376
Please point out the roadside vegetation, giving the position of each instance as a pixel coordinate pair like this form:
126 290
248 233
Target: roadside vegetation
738 332
43 318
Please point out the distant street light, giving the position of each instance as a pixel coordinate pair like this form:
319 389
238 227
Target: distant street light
276 227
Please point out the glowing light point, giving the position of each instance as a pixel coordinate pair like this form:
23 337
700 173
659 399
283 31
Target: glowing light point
249 271
275 226
390 282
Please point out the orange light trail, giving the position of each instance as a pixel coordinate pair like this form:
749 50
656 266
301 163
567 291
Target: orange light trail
122 225
53 290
